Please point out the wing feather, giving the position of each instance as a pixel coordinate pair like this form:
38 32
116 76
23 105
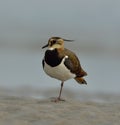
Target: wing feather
72 62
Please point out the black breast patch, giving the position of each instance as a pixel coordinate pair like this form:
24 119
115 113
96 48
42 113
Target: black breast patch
43 63
52 58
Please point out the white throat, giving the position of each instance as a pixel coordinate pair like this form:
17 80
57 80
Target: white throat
51 48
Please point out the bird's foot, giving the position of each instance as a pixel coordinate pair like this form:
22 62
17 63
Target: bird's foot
57 100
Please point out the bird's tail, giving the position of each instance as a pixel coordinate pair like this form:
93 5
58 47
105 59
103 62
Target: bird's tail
80 80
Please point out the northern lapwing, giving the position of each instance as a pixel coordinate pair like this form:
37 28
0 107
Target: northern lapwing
61 63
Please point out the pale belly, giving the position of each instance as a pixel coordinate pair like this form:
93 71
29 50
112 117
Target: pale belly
59 72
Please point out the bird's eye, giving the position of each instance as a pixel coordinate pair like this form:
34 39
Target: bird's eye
54 41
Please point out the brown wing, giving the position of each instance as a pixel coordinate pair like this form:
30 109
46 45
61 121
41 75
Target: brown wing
73 63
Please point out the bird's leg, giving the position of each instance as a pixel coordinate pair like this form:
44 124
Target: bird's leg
59 97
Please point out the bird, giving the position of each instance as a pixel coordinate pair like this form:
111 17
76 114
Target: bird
61 63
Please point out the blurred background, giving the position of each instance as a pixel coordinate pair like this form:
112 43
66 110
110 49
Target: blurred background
26 26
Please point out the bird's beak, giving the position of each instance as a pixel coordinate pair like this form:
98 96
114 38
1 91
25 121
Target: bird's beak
45 46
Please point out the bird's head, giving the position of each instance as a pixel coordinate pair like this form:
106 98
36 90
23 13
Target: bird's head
56 42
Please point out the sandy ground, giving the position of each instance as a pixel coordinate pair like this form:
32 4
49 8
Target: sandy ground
19 110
